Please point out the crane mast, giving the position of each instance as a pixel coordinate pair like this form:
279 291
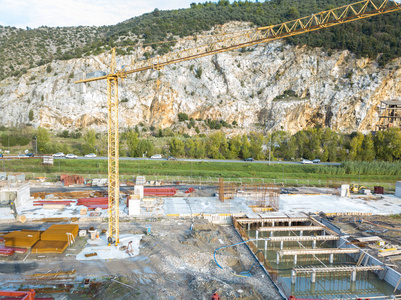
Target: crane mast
340 15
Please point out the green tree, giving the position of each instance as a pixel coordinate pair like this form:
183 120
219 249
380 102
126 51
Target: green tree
256 142
177 147
245 151
30 116
199 148
368 148
43 140
132 142
145 147
89 145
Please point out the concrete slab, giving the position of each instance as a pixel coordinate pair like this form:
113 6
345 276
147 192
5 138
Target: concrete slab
296 204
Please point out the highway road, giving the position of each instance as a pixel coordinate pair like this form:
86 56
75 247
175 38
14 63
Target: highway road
211 160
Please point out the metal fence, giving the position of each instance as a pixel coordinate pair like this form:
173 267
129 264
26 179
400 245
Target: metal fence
289 182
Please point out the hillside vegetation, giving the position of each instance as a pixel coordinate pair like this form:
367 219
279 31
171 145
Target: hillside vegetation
22 49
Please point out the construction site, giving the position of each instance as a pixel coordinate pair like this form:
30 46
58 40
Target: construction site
247 241
75 238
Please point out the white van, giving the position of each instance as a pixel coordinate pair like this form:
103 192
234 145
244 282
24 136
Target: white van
156 156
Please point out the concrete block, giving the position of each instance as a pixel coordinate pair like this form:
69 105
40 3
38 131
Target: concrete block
398 189
344 190
134 207
138 190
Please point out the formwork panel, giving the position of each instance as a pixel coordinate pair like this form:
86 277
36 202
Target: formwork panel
58 232
50 247
21 239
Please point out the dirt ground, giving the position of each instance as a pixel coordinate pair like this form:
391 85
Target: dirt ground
175 262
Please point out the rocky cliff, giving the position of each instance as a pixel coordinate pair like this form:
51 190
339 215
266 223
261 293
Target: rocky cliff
274 86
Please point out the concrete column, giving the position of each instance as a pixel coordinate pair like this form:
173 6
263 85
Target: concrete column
271 233
249 226
289 223
301 233
313 244
281 245
353 286
257 233
295 259
353 275
313 276
331 258
293 276
277 258
324 232
265 245
272 223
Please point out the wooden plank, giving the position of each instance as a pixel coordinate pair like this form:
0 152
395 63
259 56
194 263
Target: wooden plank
389 253
369 239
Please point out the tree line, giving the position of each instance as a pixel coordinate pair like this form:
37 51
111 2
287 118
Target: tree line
312 143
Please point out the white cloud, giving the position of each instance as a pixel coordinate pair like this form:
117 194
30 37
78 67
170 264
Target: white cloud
53 13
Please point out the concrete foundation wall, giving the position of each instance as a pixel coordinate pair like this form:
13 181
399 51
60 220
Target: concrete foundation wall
390 275
398 189
23 194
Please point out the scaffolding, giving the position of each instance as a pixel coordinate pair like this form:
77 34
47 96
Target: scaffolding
390 114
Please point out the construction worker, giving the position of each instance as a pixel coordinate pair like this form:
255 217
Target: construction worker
215 296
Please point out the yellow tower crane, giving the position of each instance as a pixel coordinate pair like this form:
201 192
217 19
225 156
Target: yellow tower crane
344 14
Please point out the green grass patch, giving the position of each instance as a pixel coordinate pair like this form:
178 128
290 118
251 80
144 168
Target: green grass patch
347 172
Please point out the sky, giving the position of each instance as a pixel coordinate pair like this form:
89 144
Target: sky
53 13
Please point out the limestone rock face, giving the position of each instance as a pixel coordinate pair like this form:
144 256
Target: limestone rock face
273 86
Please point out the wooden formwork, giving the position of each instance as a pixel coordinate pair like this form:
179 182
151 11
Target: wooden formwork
50 247
21 239
59 232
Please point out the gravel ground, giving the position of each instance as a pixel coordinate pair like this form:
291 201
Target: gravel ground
174 263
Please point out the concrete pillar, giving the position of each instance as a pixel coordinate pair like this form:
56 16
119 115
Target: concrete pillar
281 245
277 258
313 244
265 245
331 258
272 223
353 286
313 276
249 226
257 233
301 233
271 233
313 288
293 276
295 259
324 232
289 223
353 275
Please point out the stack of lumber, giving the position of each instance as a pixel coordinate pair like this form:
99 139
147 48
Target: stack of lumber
44 202
21 239
389 253
93 203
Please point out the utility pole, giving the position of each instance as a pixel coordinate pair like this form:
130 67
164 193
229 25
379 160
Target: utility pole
36 145
270 147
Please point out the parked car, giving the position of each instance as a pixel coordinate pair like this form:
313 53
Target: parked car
30 154
91 155
156 156
59 154
171 158
316 161
306 161
71 156
249 159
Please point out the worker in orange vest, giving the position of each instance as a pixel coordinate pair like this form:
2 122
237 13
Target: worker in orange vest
215 296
